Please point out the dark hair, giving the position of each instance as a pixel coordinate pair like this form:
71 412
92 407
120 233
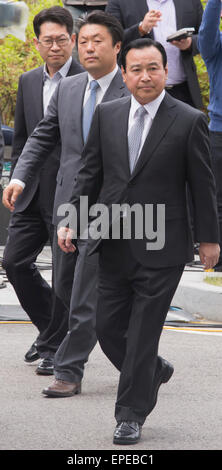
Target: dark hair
141 44
104 19
55 14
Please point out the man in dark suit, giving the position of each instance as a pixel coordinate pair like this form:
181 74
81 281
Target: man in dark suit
31 222
162 144
99 42
157 20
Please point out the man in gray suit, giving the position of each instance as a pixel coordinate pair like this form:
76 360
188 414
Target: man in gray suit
99 42
31 222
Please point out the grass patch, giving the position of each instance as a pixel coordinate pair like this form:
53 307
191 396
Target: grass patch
215 281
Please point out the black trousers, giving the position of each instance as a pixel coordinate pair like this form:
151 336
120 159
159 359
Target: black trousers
133 302
28 233
216 154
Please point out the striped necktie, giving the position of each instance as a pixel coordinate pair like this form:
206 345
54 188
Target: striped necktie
135 137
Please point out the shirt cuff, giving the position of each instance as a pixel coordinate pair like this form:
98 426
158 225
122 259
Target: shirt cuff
14 180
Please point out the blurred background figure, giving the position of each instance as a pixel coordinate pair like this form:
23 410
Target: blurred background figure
78 8
158 19
210 44
13 19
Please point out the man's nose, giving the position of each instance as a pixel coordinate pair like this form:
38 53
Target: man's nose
145 75
90 46
55 45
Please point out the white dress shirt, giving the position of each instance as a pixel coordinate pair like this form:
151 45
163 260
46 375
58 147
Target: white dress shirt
104 83
50 83
151 108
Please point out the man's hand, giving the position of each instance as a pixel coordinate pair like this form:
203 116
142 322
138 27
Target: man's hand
65 236
150 20
10 195
209 254
183 44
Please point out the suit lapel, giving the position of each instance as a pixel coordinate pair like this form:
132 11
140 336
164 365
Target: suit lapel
164 118
77 90
71 70
142 7
116 88
179 12
37 95
122 118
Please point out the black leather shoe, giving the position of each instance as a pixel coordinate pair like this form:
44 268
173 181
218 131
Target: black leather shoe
164 375
127 432
32 354
45 367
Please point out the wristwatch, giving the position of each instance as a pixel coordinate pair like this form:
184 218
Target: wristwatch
141 30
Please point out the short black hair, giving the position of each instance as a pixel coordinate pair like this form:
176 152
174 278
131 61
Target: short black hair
54 14
104 19
141 44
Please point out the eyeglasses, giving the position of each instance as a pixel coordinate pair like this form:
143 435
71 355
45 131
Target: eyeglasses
48 43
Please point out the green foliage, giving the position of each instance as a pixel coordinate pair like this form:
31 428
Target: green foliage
17 57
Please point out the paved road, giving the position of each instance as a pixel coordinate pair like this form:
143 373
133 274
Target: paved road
188 415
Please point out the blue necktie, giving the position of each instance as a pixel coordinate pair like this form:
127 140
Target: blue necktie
135 137
89 108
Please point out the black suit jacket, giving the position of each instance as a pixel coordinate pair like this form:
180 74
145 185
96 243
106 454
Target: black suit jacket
28 113
188 14
176 151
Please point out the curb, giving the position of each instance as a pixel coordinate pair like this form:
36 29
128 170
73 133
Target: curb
198 297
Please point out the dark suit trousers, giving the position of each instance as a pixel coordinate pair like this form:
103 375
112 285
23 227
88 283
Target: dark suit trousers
133 302
80 339
28 233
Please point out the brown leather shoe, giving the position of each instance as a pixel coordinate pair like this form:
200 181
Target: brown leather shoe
61 388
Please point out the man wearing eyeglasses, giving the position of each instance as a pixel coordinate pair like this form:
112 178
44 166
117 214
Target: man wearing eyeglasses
30 225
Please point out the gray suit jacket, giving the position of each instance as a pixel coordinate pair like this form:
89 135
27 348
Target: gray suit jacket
64 119
28 113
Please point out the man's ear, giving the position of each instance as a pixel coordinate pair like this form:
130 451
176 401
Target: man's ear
35 40
73 39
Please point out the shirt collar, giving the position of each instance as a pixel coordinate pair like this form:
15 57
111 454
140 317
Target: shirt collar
105 81
61 73
151 107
